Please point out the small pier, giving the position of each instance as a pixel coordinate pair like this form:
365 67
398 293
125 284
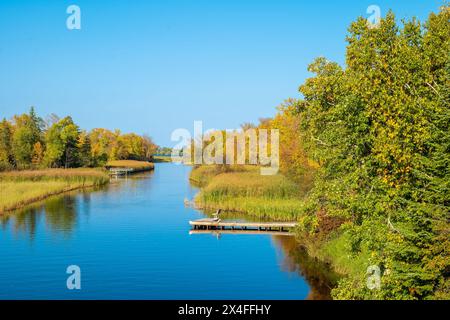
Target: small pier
217 232
209 224
118 172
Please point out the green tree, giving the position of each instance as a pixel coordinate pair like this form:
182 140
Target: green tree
379 131
6 155
27 132
61 144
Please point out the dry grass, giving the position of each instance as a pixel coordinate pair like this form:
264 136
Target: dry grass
202 175
49 174
275 209
250 184
133 164
19 188
243 189
14 195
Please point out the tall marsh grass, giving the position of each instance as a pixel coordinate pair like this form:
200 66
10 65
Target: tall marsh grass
19 188
250 184
264 208
91 176
202 175
243 189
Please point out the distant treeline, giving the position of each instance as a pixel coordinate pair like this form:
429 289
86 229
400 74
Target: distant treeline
27 141
163 151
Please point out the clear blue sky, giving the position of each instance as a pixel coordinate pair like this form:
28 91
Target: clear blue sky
154 66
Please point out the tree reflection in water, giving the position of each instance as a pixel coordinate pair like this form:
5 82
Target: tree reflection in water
24 221
319 276
60 214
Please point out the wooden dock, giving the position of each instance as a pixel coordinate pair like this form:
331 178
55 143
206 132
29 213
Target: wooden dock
116 172
240 232
217 224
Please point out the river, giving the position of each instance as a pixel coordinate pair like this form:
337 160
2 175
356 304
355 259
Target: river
131 241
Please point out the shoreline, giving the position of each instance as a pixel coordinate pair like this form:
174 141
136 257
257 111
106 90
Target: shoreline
19 189
208 180
58 181
32 201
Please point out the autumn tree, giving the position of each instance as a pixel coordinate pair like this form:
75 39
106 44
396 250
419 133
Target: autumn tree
294 161
102 144
84 150
149 147
37 156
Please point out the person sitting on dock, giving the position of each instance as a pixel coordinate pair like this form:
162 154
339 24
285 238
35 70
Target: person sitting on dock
216 215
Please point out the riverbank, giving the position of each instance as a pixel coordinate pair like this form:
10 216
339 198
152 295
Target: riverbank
21 188
242 189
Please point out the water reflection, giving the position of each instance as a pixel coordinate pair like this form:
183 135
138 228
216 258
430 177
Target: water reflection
294 258
24 221
142 220
319 275
59 212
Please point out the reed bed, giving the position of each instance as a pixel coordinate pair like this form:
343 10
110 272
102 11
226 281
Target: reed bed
242 189
20 188
95 176
250 184
263 208
202 175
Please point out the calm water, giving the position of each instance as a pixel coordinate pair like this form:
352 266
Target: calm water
131 241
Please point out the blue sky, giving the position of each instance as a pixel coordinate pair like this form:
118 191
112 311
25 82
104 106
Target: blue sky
154 66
